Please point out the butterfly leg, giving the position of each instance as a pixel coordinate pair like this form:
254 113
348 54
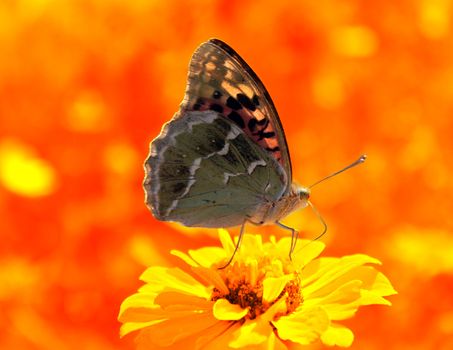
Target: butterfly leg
241 233
294 237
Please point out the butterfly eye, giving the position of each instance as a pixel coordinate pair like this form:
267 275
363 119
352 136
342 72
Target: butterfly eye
304 193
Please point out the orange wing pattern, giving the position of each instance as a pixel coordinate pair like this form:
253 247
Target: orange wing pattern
220 80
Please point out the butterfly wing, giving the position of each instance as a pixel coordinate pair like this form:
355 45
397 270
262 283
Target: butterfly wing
204 171
220 80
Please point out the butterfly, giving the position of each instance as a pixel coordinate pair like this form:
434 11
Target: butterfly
223 159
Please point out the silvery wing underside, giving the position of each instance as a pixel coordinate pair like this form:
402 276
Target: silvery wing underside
204 171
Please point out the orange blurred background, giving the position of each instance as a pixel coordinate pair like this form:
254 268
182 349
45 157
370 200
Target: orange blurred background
86 85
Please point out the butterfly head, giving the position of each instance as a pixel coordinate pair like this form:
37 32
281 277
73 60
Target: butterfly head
299 196
304 193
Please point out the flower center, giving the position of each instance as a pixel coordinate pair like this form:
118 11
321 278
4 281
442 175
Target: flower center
245 295
295 297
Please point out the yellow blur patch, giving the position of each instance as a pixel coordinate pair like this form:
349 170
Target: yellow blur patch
23 173
354 41
121 158
88 113
173 81
17 277
445 322
328 91
144 251
434 18
428 251
421 148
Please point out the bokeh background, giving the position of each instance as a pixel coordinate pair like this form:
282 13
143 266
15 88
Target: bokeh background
86 85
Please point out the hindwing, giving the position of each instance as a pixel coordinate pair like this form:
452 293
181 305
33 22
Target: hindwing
204 171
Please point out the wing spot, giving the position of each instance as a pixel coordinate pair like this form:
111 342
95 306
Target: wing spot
233 103
263 122
236 118
246 102
266 135
256 100
217 108
252 124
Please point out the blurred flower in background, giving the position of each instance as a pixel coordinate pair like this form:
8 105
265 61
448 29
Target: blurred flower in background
85 86
262 299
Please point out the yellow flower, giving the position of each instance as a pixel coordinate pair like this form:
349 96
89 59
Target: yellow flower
262 300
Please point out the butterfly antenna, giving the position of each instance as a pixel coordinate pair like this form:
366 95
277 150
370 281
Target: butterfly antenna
361 159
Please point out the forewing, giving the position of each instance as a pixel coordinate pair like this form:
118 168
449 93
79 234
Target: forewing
204 171
220 80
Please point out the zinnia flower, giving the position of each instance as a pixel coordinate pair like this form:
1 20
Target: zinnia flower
262 300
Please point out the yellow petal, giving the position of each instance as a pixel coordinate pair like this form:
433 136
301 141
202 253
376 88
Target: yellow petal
252 271
252 332
372 279
208 256
277 308
184 257
175 329
218 336
129 327
305 251
141 314
211 277
175 279
308 251
382 286
226 241
360 259
337 335
137 309
168 300
326 273
225 311
274 343
340 304
303 326
141 304
277 267
139 300
273 286
251 245
369 298
342 301
349 291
